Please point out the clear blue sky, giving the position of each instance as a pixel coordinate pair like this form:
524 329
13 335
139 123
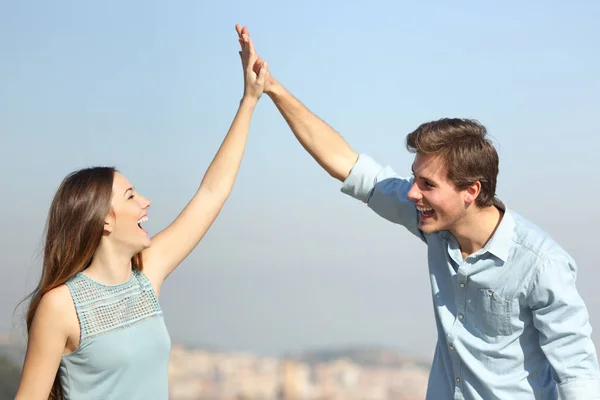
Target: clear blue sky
151 87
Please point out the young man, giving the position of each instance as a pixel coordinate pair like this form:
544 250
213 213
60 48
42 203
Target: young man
511 324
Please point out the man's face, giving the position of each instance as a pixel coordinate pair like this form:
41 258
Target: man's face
439 203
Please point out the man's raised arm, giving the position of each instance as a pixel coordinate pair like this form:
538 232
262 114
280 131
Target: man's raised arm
363 178
323 143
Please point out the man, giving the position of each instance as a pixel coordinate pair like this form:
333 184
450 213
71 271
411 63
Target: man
511 324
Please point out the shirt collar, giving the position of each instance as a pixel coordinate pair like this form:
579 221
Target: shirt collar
501 241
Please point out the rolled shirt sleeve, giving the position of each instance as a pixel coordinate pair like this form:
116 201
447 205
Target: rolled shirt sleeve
384 192
560 316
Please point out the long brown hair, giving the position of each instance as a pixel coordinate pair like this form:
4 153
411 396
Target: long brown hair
74 230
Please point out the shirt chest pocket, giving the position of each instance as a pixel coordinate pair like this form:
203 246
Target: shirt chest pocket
493 313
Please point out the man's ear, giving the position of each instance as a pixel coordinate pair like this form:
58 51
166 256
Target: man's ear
472 192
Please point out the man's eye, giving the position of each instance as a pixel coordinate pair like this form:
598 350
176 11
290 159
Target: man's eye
428 184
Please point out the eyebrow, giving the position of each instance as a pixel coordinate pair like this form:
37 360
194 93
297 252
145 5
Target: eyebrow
128 189
421 176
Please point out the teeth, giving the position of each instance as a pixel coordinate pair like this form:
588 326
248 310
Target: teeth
143 219
424 209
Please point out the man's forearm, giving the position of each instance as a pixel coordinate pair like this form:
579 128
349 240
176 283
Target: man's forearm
323 143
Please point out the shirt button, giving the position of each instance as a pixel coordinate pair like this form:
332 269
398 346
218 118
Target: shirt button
451 347
462 284
460 316
457 379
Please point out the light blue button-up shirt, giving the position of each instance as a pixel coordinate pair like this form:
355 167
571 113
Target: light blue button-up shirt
511 324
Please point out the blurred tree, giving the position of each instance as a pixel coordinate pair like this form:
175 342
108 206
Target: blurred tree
9 379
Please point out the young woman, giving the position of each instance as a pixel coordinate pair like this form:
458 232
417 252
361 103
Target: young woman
95 325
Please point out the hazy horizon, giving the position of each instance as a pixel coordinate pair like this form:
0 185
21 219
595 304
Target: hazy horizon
291 263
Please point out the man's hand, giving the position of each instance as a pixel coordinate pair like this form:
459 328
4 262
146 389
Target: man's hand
270 82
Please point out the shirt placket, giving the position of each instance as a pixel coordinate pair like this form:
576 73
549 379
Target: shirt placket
460 299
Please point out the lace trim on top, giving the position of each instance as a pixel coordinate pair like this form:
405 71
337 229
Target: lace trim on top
106 308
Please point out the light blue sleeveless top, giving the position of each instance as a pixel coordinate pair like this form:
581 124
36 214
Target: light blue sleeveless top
124 347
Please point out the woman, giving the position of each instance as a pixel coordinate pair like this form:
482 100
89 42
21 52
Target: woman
95 325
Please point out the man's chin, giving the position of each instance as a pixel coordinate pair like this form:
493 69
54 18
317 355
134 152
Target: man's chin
429 227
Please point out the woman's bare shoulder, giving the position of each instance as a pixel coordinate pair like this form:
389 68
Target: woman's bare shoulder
57 309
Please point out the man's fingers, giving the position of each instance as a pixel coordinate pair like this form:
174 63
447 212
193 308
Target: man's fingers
250 45
257 64
244 43
249 52
248 59
262 74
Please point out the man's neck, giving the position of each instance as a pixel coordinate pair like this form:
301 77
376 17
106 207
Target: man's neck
476 228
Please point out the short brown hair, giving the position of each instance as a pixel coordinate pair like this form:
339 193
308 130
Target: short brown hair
469 155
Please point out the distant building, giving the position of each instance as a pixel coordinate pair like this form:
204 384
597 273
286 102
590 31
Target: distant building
294 380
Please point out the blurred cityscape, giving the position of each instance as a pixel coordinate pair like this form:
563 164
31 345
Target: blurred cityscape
350 374
331 374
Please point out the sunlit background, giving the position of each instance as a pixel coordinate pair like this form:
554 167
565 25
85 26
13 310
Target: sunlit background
297 290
